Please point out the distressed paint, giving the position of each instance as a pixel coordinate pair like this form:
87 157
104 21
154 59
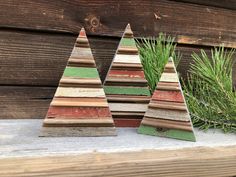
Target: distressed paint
130 107
126 74
169 133
79 92
122 58
81 72
127 42
125 85
163 95
79 106
81 112
167 113
126 90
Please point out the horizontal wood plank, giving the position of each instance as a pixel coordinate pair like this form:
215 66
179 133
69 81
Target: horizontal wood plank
25 102
197 161
190 23
40 58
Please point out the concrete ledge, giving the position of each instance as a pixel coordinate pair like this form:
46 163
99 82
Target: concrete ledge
23 153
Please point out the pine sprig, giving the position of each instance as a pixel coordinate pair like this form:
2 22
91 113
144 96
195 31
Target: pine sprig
209 91
154 54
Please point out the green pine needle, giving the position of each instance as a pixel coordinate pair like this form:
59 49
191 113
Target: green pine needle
209 91
154 54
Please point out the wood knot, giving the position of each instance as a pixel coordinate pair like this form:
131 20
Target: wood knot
92 23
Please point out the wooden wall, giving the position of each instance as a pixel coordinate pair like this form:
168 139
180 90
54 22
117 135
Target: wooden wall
37 36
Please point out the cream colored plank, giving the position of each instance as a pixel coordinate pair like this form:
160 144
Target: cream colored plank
128 107
120 58
169 77
79 92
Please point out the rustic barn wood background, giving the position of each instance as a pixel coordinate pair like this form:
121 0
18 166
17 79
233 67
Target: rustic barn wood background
37 36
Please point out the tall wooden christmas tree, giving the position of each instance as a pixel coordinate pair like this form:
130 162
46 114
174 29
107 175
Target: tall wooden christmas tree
167 113
79 106
125 85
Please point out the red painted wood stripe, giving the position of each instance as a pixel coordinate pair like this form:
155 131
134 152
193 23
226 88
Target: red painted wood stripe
78 112
127 122
128 74
162 95
82 33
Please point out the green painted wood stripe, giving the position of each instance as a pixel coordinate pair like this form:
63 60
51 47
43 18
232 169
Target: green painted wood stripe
126 90
81 72
127 42
170 133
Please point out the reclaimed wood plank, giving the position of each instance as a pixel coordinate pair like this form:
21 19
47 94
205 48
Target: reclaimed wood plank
128 107
169 133
166 16
218 162
119 122
80 72
163 95
168 105
126 90
21 102
78 122
170 115
91 102
77 131
123 58
75 112
169 77
167 124
126 74
79 92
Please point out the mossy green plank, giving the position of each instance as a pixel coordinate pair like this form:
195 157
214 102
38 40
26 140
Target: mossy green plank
126 90
170 133
127 42
81 72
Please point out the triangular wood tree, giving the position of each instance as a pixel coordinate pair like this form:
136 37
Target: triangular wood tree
125 85
167 113
79 106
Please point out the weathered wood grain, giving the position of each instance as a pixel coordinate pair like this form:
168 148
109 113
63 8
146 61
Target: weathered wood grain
169 115
40 58
90 102
122 58
174 96
211 25
227 4
78 122
167 124
79 92
19 102
197 161
75 112
128 107
77 131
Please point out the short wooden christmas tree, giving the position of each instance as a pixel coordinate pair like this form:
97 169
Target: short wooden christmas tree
79 106
125 85
167 113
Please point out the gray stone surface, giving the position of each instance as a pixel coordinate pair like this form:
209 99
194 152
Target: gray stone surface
20 138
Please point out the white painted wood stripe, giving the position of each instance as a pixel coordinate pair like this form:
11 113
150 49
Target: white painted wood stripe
128 107
169 77
81 52
120 58
79 92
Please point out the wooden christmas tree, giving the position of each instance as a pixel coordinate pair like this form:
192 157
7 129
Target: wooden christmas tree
167 113
125 85
79 106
